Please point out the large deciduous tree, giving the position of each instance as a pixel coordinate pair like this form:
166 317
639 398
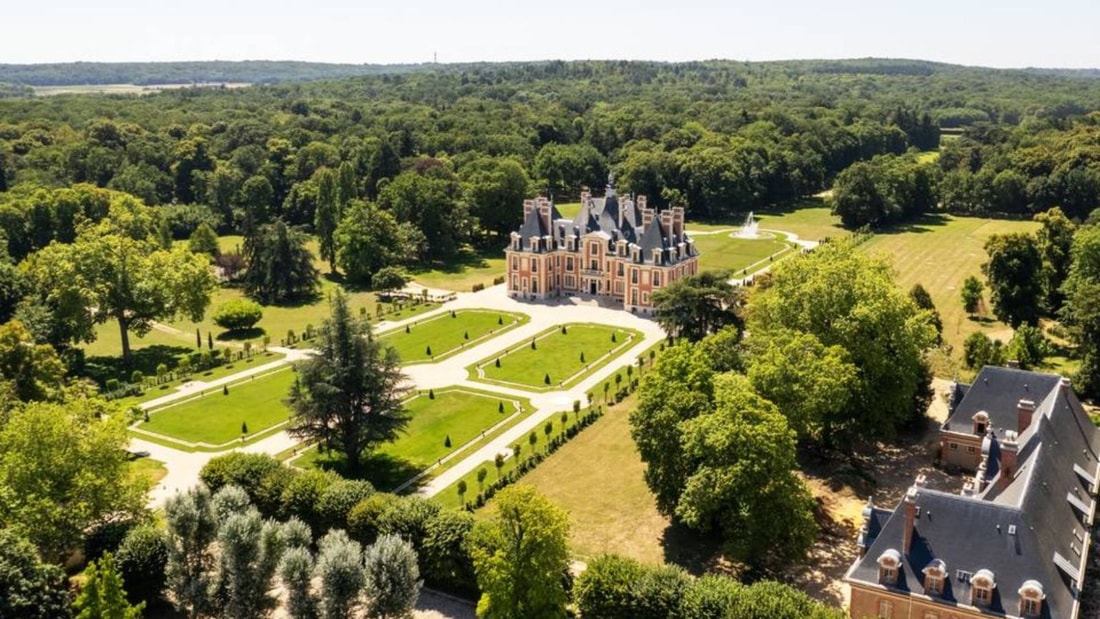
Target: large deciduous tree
521 557
495 189
327 215
33 371
1055 241
368 239
63 469
116 270
349 393
1081 312
698 305
1015 275
429 200
280 266
846 298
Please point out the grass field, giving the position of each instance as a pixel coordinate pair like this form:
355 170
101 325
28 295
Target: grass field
720 251
557 355
163 389
152 471
447 334
939 252
216 419
462 273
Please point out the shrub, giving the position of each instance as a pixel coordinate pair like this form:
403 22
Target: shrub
302 497
263 477
141 560
106 537
364 518
389 278
238 315
477 287
339 499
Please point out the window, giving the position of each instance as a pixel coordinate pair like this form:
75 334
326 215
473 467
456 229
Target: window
885 609
633 276
515 282
569 263
933 584
931 615
620 269
888 574
970 449
515 264
534 285
1030 607
656 279
952 445
634 297
982 595
534 266
645 298
595 265
595 248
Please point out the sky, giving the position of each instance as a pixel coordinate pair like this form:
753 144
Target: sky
1009 33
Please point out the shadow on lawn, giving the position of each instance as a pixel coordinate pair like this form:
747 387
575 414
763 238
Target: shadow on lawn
921 224
384 471
466 259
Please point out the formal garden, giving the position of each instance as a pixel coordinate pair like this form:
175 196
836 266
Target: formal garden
220 418
444 423
557 358
437 337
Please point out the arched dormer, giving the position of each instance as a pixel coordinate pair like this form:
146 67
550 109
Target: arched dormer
889 564
982 584
1031 598
981 422
935 575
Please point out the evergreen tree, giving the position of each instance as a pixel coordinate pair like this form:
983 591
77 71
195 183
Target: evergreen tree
103 596
280 267
327 215
392 577
349 394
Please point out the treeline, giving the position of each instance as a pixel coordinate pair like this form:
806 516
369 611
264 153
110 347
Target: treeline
147 73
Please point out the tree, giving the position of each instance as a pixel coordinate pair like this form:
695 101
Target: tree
678 388
33 371
1081 312
1055 242
520 557
444 560
392 577
249 554
856 197
192 529
327 214
495 188
115 270
141 560
30 588
619 588
368 239
103 596
63 468
1014 272
389 278
971 294
349 394
697 305
744 483
845 298
280 266
428 200
238 315
340 569
923 300
811 384
204 240
296 572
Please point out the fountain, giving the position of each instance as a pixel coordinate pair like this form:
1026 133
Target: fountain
748 229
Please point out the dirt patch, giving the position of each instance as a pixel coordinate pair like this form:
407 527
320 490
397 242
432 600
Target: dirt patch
842 490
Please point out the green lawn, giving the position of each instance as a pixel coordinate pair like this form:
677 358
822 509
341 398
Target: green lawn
163 389
148 469
464 271
459 413
216 418
556 355
723 252
449 333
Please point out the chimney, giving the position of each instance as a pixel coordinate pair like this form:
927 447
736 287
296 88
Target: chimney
584 198
1065 386
678 221
647 218
1025 409
544 213
640 202
528 206
1010 449
1012 364
666 221
910 514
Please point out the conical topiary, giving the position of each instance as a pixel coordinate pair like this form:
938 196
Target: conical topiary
428 351
244 427
546 379
431 394
447 442
498 362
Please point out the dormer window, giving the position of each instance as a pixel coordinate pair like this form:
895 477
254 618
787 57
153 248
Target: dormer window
1031 598
982 585
981 422
934 576
888 566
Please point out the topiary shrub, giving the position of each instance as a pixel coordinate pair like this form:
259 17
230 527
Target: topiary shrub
238 315
141 560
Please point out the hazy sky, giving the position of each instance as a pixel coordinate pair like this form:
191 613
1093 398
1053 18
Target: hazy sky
1010 33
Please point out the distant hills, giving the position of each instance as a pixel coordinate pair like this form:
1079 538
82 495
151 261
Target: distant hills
278 71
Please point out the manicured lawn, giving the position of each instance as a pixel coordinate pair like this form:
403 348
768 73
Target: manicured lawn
556 355
722 252
216 418
464 271
449 333
163 389
459 413
152 471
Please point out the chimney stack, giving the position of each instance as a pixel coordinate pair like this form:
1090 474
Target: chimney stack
1065 386
640 202
528 206
1010 449
911 514
1025 410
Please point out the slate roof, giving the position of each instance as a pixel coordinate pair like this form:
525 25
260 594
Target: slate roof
996 391
612 218
970 533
